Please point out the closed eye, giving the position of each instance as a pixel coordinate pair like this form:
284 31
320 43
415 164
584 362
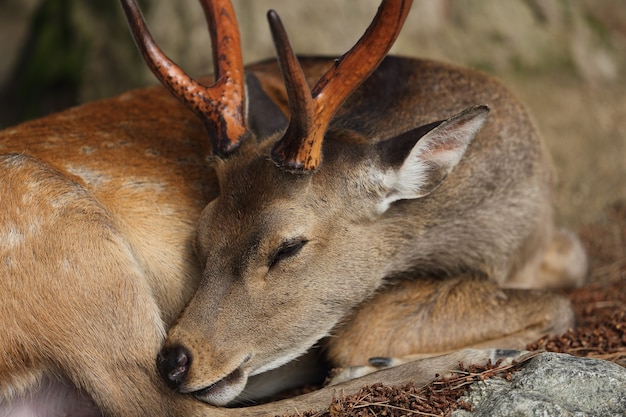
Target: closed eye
286 250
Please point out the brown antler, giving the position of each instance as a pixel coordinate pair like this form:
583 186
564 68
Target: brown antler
220 106
300 149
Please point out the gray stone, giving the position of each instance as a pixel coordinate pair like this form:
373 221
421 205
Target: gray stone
552 384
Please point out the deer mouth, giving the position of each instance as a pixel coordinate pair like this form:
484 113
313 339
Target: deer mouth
223 391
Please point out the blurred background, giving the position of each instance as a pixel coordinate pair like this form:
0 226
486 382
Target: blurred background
566 59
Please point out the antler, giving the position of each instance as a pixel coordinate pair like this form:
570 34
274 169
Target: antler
300 149
220 106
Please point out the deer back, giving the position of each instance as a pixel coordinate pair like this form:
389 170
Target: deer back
141 157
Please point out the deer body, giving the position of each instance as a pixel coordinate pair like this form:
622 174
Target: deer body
494 230
419 212
93 275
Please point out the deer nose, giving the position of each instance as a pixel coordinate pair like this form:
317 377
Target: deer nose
173 364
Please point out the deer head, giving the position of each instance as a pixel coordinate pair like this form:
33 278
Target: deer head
312 214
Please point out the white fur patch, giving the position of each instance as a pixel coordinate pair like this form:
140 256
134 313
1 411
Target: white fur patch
89 176
11 236
50 399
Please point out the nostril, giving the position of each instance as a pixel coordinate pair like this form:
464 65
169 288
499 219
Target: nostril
173 363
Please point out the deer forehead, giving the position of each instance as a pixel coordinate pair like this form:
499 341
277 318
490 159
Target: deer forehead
230 225
254 191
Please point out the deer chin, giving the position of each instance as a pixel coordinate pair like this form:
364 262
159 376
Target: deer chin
229 388
224 391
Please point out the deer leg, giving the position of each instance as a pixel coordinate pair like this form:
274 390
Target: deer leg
563 264
419 372
430 317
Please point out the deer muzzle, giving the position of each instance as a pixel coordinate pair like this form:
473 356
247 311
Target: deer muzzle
174 365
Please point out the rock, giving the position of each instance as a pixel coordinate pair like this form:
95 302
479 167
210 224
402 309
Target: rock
552 384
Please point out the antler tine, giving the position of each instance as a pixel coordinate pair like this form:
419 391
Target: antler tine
300 149
301 104
220 106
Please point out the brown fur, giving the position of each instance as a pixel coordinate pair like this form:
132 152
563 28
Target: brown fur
100 205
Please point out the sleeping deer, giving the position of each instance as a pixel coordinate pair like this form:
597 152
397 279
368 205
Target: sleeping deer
364 206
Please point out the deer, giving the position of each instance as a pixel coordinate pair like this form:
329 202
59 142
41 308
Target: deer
370 210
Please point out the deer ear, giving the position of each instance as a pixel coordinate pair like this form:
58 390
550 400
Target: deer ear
417 161
264 117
